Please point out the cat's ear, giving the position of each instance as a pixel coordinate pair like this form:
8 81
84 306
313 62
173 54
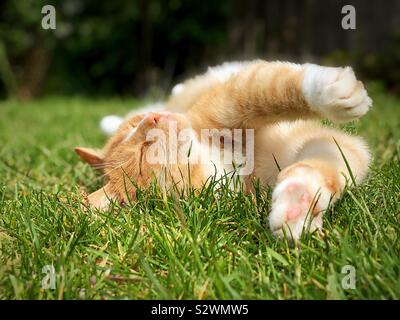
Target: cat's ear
101 198
91 156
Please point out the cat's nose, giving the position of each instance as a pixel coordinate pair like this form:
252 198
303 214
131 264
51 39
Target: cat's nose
155 118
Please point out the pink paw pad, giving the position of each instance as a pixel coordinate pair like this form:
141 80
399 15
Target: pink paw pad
300 200
293 213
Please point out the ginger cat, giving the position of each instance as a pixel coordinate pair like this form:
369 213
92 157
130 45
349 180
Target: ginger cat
274 105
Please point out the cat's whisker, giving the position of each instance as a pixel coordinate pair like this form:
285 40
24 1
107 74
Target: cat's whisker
116 167
108 164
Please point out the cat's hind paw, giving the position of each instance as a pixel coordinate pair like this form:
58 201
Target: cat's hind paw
298 202
335 93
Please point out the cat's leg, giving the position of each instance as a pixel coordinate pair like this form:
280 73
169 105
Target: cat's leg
268 92
314 180
184 95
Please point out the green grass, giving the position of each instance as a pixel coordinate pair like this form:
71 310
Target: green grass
207 246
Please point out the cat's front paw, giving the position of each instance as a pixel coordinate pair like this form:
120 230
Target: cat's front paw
298 202
335 93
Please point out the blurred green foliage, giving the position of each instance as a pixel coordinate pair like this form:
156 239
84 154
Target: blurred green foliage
117 46
126 47
382 65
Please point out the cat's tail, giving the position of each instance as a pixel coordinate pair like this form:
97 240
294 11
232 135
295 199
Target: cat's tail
109 124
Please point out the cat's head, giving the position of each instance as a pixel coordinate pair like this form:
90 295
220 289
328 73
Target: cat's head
152 146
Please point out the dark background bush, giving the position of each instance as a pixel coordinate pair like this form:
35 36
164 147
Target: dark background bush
125 47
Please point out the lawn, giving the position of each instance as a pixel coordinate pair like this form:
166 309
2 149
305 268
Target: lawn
209 246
